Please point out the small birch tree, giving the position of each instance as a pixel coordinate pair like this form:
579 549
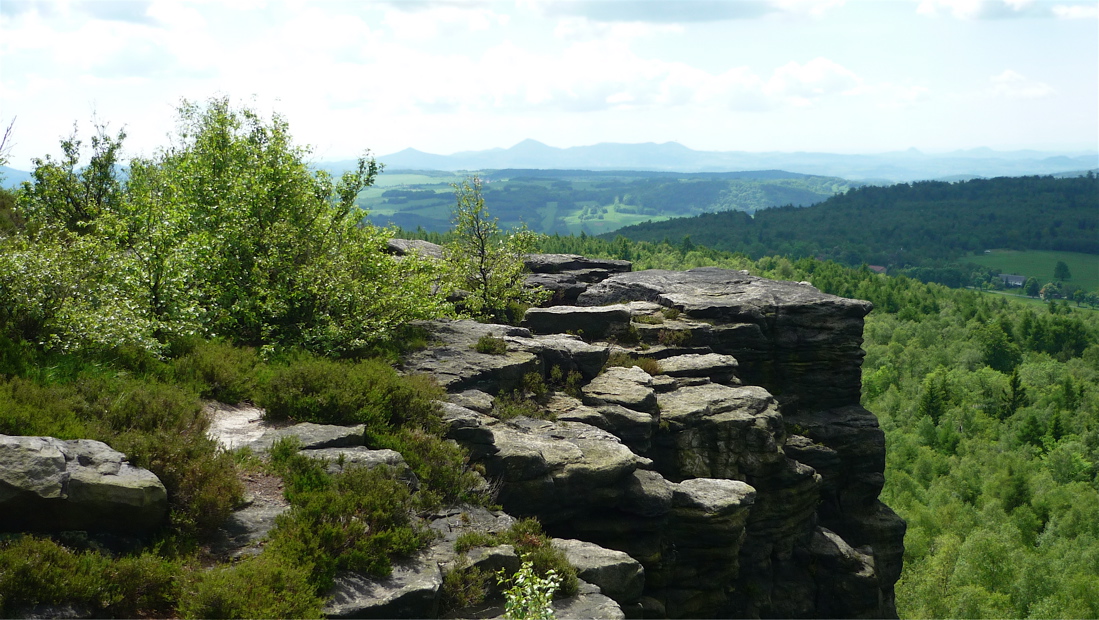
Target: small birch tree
487 264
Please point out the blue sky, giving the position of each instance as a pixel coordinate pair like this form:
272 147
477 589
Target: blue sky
751 75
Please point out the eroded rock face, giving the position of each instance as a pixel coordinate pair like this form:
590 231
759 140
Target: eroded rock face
48 484
743 479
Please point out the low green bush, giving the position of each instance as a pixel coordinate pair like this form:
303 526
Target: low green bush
441 466
356 520
673 337
463 586
533 545
264 586
219 370
626 360
39 571
311 389
648 319
490 345
670 313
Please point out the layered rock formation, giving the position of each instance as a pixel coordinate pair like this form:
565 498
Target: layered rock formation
743 477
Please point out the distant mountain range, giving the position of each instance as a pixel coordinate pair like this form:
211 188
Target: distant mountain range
910 165
884 168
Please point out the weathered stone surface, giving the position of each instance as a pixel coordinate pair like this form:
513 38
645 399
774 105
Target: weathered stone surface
634 428
558 263
47 484
588 604
245 529
404 247
589 323
411 591
312 436
564 287
617 574
717 431
556 470
478 401
789 338
454 363
718 368
567 352
628 387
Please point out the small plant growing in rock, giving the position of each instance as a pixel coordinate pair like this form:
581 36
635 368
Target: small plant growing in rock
463 586
568 383
673 337
670 313
648 319
491 345
528 597
625 360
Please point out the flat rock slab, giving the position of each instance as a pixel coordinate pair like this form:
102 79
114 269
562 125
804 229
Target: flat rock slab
404 247
588 323
628 387
557 263
720 368
47 484
453 361
338 460
312 436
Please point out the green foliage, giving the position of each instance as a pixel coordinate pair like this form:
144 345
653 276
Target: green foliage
225 233
312 389
356 520
1061 271
491 345
463 586
442 467
39 571
533 545
263 586
220 371
625 360
528 595
569 383
486 263
674 337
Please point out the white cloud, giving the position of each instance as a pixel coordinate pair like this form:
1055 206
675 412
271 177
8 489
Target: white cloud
802 84
434 20
997 9
1013 85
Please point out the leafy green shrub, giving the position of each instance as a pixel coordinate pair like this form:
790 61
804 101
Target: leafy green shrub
264 586
310 389
530 596
491 345
670 313
221 371
533 545
648 319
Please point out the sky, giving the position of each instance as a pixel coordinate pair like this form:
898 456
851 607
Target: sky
447 76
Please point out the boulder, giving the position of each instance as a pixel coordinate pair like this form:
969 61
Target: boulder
559 263
617 574
628 387
404 247
588 604
716 367
410 591
47 484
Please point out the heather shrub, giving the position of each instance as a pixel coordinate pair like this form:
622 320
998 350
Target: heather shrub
219 370
310 389
491 345
264 586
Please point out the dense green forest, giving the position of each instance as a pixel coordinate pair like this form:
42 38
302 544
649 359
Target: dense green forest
578 201
927 227
224 268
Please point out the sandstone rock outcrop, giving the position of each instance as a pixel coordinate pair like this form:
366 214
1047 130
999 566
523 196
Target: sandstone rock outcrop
48 484
744 480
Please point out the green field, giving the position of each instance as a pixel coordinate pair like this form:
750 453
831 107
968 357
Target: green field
1039 265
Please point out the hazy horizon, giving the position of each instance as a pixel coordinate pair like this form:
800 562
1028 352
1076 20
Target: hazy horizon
757 76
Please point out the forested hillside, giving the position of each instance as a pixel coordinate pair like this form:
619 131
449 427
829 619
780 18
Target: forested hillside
991 415
590 202
925 224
